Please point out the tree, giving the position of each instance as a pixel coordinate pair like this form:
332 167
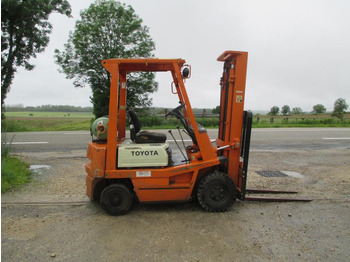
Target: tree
285 110
216 110
24 33
107 29
274 111
318 109
297 111
340 106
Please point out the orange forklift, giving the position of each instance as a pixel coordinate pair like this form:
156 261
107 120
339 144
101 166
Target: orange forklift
143 167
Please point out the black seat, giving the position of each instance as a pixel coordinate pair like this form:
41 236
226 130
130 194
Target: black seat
142 137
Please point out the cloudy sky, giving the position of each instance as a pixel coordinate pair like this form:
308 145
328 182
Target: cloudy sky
298 52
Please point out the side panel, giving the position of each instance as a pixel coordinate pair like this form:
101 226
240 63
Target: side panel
95 168
174 188
164 195
97 155
164 184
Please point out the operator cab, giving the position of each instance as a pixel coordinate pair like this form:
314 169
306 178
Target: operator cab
144 148
142 137
150 149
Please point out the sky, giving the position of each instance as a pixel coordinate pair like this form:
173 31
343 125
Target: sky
298 52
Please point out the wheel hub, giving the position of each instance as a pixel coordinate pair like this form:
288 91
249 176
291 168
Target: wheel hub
115 199
217 193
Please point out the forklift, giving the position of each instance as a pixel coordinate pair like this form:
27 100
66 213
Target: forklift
143 167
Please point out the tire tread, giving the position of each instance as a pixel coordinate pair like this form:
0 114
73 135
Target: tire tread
206 180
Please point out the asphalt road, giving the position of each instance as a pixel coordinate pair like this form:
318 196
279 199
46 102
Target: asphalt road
271 139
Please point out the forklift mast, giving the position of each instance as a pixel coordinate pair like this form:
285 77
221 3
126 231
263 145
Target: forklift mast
235 123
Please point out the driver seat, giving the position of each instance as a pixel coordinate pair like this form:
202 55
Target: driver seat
142 137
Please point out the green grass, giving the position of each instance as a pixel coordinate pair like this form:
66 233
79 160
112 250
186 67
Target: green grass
14 172
263 122
29 124
300 121
156 122
58 122
50 114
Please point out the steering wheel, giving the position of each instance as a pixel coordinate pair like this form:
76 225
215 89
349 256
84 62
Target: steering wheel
176 111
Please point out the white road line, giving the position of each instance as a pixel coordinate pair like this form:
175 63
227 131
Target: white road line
26 143
336 138
299 130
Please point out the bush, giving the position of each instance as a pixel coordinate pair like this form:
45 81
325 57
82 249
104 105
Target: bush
14 172
328 121
172 122
151 121
208 122
155 121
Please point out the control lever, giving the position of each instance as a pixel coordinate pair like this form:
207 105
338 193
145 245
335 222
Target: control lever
170 132
182 139
183 130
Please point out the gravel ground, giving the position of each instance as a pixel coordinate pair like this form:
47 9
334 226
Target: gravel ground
249 231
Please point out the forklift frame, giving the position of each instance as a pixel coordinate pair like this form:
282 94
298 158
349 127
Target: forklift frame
172 183
206 166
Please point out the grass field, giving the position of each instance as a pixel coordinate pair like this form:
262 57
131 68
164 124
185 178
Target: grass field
57 121
50 114
46 121
322 120
29 124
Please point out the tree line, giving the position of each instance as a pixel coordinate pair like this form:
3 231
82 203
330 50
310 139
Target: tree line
339 108
47 108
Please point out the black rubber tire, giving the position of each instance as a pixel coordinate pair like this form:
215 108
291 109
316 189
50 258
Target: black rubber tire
216 192
116 199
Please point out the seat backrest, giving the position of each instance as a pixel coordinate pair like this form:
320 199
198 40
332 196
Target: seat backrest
135 124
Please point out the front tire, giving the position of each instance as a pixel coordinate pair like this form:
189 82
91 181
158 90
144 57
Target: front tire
116 199
216 192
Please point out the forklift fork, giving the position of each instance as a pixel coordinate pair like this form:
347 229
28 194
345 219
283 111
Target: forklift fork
243 171
273 199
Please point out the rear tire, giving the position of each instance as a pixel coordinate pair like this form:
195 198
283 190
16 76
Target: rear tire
116 199
216 192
